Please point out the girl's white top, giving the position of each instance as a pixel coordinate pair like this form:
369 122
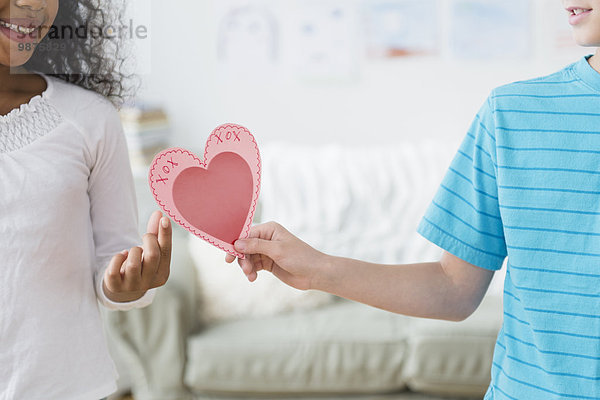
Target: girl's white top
67 206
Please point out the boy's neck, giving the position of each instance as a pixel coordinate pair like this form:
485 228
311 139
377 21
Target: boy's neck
595 61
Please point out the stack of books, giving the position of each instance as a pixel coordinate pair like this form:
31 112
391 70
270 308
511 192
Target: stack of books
146 129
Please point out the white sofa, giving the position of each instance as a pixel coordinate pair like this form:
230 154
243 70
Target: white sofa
211 333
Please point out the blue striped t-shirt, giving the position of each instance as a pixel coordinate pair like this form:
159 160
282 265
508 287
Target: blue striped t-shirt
525 184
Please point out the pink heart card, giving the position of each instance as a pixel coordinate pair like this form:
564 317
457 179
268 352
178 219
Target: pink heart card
213 198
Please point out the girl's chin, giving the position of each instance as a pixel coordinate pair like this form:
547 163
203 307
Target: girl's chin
9 60
14 62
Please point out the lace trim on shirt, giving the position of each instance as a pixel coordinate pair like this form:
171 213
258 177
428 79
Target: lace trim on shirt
30 122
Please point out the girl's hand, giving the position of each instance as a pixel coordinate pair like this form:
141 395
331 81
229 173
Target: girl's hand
271 247
132 272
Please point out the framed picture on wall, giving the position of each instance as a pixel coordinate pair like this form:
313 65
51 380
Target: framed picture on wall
490 29
402 28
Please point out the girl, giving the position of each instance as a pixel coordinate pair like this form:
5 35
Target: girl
68 204
524 184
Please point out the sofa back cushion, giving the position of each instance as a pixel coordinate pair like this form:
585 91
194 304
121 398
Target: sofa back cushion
359 202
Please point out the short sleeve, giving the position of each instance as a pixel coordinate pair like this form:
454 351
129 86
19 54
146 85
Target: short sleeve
464 216
113 205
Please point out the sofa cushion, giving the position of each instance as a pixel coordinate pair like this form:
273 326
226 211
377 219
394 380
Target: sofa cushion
344 347
454 358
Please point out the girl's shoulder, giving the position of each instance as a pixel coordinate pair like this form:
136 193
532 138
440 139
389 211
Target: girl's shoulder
75 102
85 112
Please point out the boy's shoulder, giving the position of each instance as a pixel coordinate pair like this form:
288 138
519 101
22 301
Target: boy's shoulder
538 85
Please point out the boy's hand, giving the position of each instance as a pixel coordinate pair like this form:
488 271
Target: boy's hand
132 272
271 247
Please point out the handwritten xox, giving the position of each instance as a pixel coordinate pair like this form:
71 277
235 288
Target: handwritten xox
213 198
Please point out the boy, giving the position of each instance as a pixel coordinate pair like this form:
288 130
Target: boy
525 184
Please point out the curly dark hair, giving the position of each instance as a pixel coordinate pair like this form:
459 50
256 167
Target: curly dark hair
92 61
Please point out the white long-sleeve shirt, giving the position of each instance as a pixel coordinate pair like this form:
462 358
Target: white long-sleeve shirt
67 205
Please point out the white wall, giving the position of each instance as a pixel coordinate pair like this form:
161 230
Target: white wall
392 100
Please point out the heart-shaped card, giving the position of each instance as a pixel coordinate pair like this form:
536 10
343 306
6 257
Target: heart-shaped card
214 198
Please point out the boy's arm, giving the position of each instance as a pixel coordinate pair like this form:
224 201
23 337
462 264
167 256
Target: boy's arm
450 289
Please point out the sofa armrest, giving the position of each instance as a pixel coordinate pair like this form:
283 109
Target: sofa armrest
152 341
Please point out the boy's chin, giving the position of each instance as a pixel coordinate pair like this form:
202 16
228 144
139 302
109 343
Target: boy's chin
588 44
586 41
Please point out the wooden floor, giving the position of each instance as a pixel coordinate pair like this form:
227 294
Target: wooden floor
400 396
